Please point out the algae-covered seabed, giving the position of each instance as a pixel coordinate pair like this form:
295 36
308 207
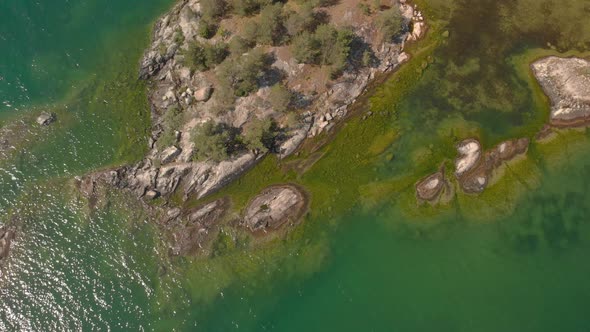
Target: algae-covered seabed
366 257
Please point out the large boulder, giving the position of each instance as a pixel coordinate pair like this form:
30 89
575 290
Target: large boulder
46 118
273 208
567 83
203 94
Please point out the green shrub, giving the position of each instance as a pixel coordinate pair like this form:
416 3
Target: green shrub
242 74
279 97
390 22
270 27
212 142
203 57
238 45
260 134
326 46
250 32
207 28
305 48
248 7
303 20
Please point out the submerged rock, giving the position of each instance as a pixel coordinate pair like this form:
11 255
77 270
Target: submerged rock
567 83
273 207
46 118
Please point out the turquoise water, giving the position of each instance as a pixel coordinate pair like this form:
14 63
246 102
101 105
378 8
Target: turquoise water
374 269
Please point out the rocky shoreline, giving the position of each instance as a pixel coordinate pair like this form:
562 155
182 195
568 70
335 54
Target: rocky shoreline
169 170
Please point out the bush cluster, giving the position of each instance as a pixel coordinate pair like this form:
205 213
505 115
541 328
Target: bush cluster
203 57
326 46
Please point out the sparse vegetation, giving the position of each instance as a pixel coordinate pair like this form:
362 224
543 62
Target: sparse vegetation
171 122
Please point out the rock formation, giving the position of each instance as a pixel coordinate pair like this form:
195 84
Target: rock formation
431 188
473 168
273 208
46 118
566 81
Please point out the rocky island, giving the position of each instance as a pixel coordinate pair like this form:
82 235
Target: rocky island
232 82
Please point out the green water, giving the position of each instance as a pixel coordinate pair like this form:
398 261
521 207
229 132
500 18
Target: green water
366 257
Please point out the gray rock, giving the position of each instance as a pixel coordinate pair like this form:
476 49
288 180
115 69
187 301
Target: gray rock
46 118
567 83
169 154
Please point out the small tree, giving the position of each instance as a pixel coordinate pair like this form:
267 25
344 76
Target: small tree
260 134
270 26
279 97
207 28
390 22
303 20
238 45
203 57
211 142
242 74
305 48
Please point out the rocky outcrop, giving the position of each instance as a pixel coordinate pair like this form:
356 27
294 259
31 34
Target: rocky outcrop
271 209
474 169
566 81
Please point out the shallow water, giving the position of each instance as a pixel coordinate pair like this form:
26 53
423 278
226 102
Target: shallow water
477 265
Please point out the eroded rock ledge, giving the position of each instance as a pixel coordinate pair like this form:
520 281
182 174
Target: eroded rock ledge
566 81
